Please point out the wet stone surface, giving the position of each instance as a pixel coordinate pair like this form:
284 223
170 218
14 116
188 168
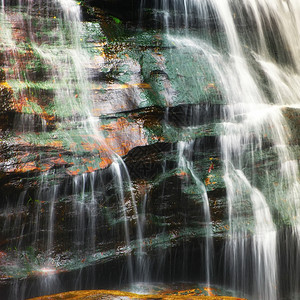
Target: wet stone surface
119 164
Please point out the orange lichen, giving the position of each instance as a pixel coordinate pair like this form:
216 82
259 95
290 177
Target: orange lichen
143 85
227 227
73 172
211 167
182 174
207 181
27 167
21 102
59 161
118 136
105 162
4 83
2 254
46 167
47 117
55 144
91 169
210 86
88 146
210 291
105 294
24 103
119 124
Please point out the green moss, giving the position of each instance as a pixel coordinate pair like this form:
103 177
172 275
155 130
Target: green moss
50 109
33 108
18 86
2 75
116 20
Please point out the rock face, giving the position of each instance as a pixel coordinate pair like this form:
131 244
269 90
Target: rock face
111 167
89 171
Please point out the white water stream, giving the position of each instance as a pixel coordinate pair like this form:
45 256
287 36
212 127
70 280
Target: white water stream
185 151
69 63
251 116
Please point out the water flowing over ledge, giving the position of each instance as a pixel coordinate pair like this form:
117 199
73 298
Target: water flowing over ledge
160 145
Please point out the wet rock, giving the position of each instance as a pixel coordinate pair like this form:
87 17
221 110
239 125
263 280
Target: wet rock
6 94
292 115
193 115
127 10
2 75
146 162
57 171
104 294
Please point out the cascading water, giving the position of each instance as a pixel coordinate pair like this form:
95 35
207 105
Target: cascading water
68 66
257 76
215 192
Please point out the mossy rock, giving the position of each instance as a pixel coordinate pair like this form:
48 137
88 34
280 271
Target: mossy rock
292 115
2 75
6 94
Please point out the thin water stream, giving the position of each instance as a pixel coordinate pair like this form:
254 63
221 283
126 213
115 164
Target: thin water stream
185 165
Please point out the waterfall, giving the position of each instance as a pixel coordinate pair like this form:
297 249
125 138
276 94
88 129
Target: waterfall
174 158
66 67
257 72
